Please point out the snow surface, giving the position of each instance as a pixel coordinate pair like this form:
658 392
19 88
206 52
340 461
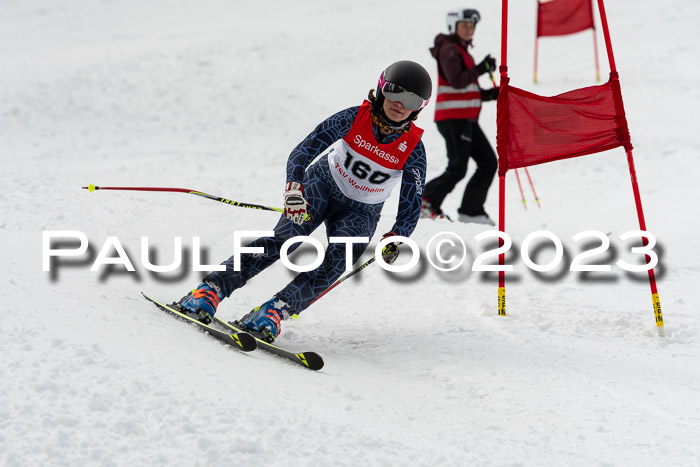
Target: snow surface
420 370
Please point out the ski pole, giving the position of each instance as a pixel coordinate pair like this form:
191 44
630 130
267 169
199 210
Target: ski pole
493 80
347 276
92 188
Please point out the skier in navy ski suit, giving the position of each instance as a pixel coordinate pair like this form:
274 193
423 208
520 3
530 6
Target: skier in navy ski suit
366 151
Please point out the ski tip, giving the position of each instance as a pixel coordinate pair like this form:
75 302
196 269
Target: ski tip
311 360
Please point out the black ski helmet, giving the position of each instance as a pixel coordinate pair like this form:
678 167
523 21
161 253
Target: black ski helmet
455 16
409 75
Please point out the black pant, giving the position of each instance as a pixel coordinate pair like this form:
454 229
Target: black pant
464 139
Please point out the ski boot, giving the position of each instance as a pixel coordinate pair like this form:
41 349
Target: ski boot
200 304
482 218
265 321
428 212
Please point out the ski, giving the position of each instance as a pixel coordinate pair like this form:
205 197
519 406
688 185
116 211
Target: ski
239 339
245 341
310 360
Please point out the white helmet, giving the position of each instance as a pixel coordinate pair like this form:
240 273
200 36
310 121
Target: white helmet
454 17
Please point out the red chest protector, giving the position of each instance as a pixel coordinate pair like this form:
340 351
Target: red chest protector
364 169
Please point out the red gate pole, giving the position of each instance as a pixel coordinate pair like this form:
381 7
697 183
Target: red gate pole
532 185
520 187
501 256
537 43
595 52
534 72
595 46
502 177
633 176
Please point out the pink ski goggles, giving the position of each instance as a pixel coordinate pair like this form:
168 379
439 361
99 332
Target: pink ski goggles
396 93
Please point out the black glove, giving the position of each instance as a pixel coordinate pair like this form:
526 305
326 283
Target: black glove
489 94
487 60
391 250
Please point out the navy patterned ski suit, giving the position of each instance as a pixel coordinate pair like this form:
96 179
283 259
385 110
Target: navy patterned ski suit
343 216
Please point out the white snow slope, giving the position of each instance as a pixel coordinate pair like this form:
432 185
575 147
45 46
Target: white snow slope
212 95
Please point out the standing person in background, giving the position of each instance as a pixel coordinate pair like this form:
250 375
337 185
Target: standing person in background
457 108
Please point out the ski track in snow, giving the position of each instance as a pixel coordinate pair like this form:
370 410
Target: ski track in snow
420 369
